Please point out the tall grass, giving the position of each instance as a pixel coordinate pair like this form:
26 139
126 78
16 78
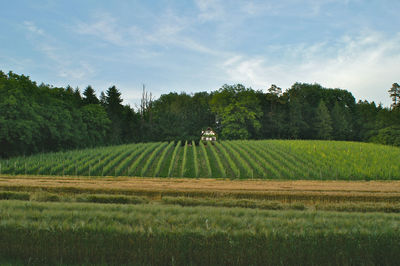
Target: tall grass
81 233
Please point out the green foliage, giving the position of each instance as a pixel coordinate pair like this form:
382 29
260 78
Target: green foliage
181 116
341 124
238 110
394 93
45 118
90 96
98 123
323 123
387 136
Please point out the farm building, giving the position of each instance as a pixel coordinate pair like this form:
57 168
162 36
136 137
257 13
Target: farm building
208 135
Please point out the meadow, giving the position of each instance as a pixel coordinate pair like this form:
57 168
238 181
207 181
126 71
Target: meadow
264 159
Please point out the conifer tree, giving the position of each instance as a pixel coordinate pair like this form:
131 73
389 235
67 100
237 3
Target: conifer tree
90 96
394 93
340 122
323 124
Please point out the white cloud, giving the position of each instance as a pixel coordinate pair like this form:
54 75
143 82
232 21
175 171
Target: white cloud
210 10
33 28
167 30
366 65
104 27
64 65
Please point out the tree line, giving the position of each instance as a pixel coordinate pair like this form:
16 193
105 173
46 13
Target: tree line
42 118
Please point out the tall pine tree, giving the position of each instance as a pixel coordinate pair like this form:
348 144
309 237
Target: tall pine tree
90 96
340 123
394 93
115 113
323 122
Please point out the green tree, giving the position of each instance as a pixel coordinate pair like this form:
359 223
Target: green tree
388 136
238 111
115 113
323 122
102 98
19 119
273 105
97 124
340 122
90 96
394 93
297 125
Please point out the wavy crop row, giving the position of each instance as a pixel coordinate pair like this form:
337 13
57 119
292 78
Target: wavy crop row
270 159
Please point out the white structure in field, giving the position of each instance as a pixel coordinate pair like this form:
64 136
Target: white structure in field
208 135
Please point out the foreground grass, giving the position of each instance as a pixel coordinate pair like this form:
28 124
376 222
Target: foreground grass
139 221
387 207
55 233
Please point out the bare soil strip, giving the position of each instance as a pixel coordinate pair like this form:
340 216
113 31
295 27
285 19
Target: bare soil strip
375 191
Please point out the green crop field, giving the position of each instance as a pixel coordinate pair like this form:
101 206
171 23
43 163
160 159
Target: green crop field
265 159
320 210
82 233
167 221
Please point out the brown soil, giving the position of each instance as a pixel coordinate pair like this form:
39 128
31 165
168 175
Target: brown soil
205 184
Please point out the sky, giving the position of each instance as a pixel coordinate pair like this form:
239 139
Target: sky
192 46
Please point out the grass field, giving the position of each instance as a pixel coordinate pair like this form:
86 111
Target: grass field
173 235
267 159
236 203
158 221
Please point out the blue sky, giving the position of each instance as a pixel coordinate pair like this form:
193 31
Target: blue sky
200 45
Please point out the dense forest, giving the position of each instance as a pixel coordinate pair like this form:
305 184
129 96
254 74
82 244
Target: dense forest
41 118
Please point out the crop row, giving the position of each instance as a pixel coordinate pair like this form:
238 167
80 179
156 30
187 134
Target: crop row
271 159
282 204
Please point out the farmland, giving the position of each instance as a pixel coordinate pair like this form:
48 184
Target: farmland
236 202
267 159
153 221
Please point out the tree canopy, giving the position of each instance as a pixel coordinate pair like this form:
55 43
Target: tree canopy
39 118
